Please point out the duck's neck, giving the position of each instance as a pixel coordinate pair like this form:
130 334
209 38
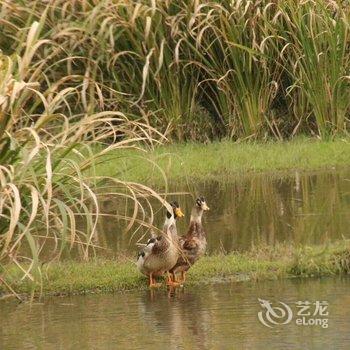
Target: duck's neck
196 214
170 227
169 220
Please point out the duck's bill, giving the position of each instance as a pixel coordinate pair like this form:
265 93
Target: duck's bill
179 213
205 207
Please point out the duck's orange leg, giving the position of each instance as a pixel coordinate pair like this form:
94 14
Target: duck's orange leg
173 276
183 277
152 282
171 280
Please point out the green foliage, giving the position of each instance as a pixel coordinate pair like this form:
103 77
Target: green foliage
194 70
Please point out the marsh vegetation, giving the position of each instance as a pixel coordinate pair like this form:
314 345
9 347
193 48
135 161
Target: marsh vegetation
83 82
192 70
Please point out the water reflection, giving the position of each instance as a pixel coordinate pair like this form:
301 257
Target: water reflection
214 317
253 209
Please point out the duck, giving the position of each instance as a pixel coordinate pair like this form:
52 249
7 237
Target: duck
161 252
192 245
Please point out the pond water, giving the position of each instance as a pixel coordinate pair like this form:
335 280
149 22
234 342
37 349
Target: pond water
223 316
306 208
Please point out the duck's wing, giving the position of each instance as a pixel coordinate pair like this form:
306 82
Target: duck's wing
190 244
147 248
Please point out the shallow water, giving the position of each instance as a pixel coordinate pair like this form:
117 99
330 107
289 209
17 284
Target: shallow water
223 316
306 208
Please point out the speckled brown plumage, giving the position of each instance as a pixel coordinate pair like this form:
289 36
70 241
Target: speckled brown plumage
193 244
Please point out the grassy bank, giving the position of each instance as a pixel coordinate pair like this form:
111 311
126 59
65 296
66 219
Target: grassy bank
112 276
193 161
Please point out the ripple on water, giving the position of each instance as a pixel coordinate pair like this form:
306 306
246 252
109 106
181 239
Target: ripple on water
222 316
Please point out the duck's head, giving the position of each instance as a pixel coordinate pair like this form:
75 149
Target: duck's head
177 212
201 203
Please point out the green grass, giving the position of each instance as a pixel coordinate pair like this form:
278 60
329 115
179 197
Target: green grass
194 161
266 262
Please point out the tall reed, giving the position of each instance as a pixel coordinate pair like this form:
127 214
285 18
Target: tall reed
48 189
316 57
196 70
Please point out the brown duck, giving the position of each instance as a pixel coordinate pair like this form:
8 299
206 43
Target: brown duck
160 253
193 244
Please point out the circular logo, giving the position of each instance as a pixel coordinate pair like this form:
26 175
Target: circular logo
274 315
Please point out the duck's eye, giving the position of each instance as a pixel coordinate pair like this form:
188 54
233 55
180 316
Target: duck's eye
151 240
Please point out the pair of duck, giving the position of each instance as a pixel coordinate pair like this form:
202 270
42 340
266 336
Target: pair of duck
171 254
